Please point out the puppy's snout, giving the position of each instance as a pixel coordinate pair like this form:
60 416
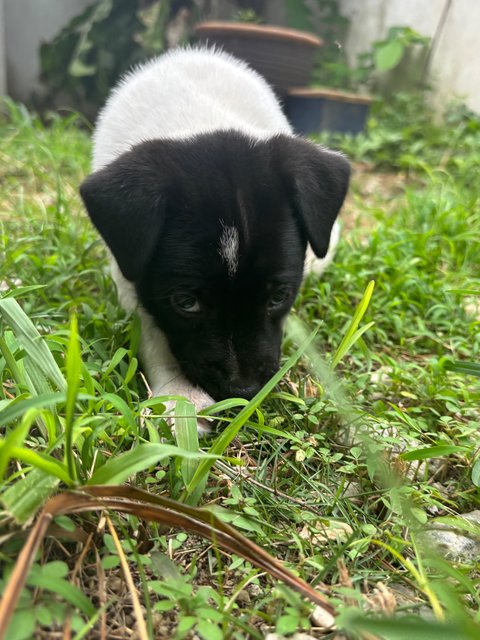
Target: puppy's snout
247 392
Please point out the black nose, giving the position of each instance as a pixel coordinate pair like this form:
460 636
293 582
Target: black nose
244 391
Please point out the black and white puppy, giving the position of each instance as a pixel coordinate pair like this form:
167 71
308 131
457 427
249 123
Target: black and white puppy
211 208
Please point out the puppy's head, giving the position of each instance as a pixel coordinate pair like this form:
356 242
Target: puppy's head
213 230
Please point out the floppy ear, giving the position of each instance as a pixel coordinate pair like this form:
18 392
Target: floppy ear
125 203
318 182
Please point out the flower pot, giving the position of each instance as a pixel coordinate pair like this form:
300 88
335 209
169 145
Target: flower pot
284 57
315 110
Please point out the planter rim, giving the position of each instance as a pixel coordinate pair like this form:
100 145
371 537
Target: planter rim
320 92
257 30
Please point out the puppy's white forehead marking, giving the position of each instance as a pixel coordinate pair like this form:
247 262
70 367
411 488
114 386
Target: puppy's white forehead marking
228 248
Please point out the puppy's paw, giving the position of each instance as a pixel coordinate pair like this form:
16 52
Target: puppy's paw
199 398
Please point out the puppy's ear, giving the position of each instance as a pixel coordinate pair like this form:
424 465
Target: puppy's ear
125 203
317 180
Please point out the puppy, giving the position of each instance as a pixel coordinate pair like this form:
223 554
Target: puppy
211 208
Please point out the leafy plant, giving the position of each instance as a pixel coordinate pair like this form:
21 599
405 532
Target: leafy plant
372 66
248 16
402 135
88 56
388 53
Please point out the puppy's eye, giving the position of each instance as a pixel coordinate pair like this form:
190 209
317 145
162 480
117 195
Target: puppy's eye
279 296
186 303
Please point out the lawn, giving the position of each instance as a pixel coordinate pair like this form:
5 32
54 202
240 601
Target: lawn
346 471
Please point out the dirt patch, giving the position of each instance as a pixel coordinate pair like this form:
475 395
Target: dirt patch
370 189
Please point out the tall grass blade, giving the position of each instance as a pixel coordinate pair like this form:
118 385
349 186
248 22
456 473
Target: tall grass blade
186 435
405 629
43 461
74 366
15 438
121 467
476 473
352 334
467 368
24 498
17 373
33 343
18 406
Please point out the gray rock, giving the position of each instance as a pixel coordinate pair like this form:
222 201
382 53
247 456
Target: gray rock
456 543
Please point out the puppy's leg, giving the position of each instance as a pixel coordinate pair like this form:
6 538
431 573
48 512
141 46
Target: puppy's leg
163 372
318 265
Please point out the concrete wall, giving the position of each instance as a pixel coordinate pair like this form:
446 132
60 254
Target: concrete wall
455 63
29 23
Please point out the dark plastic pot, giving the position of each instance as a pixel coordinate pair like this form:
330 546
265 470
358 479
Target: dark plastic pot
284 57
315 110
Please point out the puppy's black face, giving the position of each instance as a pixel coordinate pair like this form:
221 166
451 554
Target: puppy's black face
213 233
225 273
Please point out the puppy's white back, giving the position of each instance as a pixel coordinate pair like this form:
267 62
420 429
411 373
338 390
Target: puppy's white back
183 93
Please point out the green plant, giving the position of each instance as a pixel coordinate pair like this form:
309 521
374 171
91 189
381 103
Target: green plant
91 52
333 69
247 15
397 50
402 135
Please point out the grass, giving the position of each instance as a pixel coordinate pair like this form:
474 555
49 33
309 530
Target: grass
371 434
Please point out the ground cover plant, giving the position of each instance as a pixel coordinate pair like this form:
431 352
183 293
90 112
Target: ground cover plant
368 444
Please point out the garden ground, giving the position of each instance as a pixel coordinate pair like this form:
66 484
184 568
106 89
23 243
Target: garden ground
368 444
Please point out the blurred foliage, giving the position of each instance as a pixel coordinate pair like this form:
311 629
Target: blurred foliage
96 47
373 67
403 134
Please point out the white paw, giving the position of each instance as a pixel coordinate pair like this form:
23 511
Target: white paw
199 398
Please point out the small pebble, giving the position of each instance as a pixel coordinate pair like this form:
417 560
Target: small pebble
321 618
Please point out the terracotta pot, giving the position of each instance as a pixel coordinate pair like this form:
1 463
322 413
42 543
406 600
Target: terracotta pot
315 110
284 57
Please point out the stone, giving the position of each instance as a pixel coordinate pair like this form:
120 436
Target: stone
454 542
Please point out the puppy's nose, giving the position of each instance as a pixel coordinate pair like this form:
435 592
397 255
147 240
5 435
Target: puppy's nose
246 392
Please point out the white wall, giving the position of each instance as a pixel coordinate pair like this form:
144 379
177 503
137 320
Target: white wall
455 65
28 23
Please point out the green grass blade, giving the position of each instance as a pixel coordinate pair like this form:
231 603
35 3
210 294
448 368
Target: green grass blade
403 629
467 368
42 461
465 292
476 473
20 292
17 407
122 407
186 436
116 359
33 343
437 451
15 370
121 467
351 336
24 498
15 438
74 366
